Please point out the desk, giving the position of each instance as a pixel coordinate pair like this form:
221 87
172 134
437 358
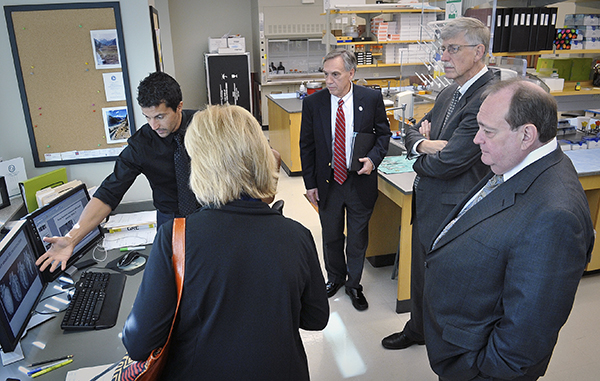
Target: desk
12 212
390 229
90 348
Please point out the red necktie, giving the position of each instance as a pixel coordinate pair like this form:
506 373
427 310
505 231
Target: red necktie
340 172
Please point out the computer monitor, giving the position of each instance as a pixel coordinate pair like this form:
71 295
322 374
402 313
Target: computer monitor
57 219
21 284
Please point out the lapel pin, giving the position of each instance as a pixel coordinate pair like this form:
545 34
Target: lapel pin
360 108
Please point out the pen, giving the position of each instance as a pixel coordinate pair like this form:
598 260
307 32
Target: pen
52 360
50 369
132 248
51 364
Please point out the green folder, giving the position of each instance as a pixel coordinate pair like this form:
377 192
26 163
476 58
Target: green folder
29 187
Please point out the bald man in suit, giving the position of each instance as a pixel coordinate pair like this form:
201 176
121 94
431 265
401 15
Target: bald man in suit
502 273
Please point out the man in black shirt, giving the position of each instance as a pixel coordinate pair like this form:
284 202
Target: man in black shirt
150 151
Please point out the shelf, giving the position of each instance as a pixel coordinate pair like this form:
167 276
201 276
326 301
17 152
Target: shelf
382 42
403 10
393 65
579 51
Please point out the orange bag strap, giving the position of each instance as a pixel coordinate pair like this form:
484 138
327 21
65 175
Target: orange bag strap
178 244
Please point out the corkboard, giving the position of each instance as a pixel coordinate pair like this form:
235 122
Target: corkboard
62 90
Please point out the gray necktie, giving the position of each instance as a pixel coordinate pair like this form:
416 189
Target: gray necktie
452 106
492 184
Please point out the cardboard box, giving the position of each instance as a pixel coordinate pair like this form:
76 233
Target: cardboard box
215 43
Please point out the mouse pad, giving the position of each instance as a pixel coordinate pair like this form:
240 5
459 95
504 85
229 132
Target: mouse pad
133 268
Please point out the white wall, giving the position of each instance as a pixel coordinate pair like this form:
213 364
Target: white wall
14 139
192 22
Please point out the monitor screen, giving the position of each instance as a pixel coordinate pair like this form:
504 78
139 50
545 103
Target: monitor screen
21 284
57 219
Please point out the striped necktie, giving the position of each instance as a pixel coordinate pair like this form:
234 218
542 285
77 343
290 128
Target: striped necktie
452 106
340 172
492 184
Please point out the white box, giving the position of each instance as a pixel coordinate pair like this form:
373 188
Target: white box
238 44
215 43
555 84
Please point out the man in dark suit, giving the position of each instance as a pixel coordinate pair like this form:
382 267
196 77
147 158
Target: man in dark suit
332 119
502 273
448 162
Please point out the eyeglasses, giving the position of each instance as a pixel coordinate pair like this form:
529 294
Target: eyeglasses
453 49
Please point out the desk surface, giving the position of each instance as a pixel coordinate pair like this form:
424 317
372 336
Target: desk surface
288 102
90 348
586 161
14 211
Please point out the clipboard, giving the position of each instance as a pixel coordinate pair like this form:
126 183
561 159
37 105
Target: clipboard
362 144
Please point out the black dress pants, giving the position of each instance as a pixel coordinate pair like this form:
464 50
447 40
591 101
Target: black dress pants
344 205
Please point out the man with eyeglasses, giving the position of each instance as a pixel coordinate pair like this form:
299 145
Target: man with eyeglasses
448 163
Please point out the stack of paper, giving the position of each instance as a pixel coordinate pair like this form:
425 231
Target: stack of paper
130 229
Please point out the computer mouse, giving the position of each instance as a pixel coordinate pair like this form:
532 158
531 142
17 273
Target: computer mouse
128 258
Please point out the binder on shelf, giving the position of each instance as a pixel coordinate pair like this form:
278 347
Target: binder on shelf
506 30
482 14
30 187
543 30
520 27
534 28
498 30
551 28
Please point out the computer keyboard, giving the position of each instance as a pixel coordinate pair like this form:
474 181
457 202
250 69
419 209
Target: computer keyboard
96 301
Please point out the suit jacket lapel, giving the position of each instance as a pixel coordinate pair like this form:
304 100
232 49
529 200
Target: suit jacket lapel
498 200
464 99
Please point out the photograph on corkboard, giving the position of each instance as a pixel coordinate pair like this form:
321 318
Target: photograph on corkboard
106 49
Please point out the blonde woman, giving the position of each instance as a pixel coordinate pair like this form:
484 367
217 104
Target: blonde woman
252 276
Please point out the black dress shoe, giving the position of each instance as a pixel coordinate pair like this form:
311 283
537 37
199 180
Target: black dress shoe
358 299
332 288
399 340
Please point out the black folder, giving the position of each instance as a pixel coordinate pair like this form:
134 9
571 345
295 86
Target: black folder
551 28
534 28
506 30
498 30
520 26
542 36
363 143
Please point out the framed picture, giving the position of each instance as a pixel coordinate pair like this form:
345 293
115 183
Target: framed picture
158 57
